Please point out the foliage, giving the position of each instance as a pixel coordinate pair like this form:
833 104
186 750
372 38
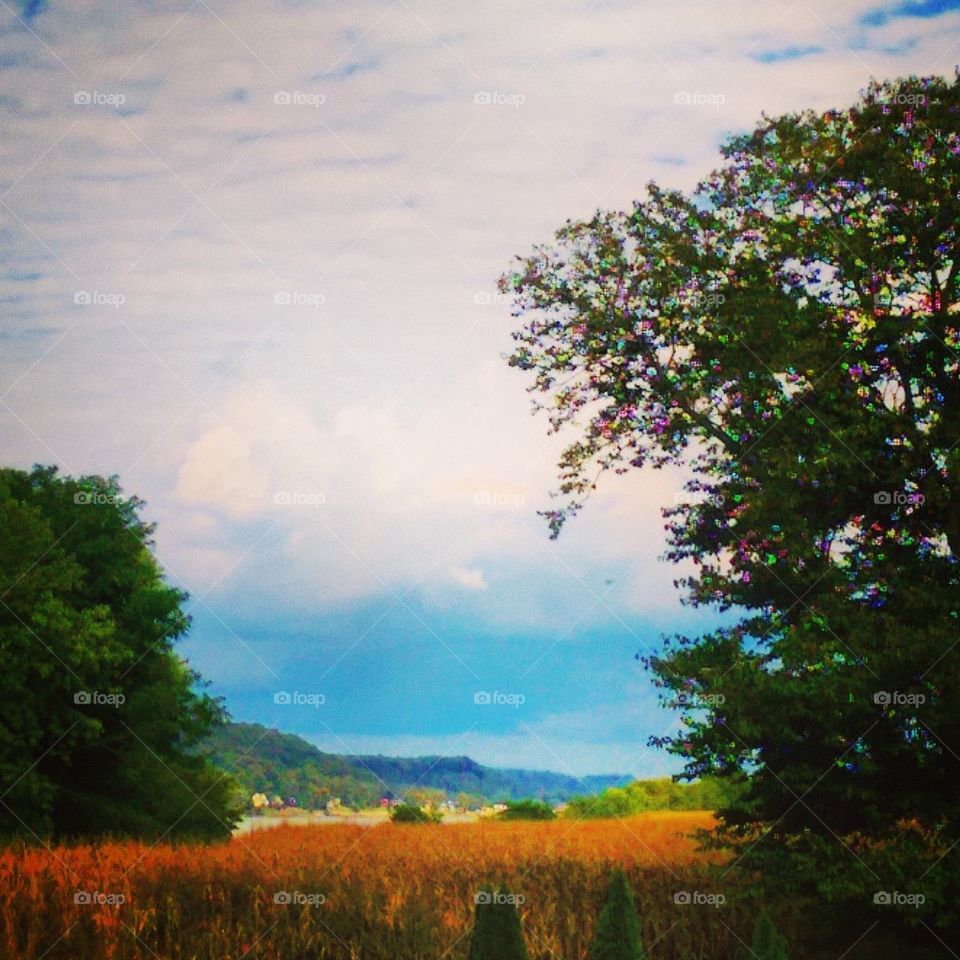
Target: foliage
100 714
788 333
497 933
618 929
527 810
767 944
709 793
411 813
268 761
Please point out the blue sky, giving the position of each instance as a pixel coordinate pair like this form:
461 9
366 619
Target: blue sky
248 257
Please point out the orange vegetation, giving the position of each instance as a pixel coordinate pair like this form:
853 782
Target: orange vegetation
355 893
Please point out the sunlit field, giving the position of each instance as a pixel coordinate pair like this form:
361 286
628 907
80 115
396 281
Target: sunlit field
353 892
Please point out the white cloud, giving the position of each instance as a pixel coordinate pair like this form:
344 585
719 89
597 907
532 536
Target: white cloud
469 577
373 390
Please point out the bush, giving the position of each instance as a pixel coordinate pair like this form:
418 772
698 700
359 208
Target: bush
767 943
618 929
496 933
411 813
528 810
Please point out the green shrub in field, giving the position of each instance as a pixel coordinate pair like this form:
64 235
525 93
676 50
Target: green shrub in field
528 810
618 929
497 934
411 813
767 943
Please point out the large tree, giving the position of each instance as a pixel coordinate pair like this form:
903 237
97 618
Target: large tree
788 332
101 718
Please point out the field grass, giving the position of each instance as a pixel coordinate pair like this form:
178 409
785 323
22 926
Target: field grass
385 893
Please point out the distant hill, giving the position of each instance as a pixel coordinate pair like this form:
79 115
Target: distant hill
462 775
271 762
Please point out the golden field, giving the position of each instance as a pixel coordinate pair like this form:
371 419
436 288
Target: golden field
353 893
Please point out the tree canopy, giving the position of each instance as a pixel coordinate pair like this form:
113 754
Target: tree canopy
101 716
788 332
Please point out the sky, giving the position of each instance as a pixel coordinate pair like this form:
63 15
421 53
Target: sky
248 262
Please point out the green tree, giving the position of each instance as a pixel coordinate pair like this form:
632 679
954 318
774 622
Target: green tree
618 929
411 813
101 717
527 810
497 932
767 944
788 333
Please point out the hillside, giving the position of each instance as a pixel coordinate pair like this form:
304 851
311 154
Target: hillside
461 774
271 762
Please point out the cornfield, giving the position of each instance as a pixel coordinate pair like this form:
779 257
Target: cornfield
353 893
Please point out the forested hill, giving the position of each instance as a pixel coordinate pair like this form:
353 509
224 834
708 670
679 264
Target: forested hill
271 762
461 774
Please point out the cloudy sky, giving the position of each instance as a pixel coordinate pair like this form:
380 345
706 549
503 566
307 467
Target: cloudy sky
248 256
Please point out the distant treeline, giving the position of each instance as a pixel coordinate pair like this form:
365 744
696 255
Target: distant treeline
661 794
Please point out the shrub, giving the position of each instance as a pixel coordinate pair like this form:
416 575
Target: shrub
528 810
618 929
767 943
411 813
496 933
